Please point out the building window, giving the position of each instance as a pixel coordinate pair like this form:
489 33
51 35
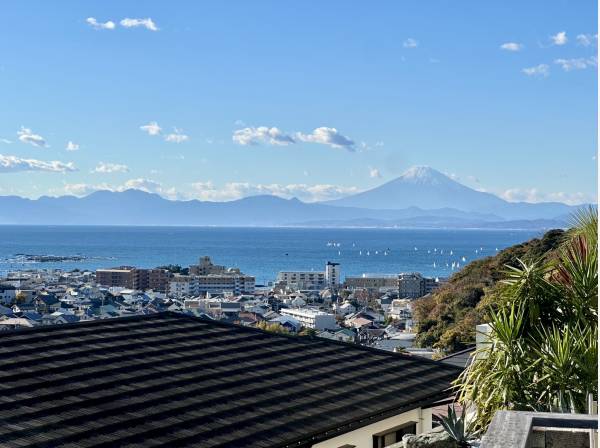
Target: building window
393 435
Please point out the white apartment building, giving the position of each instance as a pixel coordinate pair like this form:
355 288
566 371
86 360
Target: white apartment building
302 279
311 318
193 285
182 286
330 277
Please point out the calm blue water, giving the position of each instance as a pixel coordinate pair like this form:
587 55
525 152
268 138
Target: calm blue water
258 251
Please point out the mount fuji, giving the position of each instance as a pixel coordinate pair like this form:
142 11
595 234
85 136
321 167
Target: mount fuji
427 188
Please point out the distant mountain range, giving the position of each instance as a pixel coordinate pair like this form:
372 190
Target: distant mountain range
420 198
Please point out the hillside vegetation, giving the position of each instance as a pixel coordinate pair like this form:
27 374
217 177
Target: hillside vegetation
447 318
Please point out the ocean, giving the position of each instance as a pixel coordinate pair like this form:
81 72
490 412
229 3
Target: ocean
261 252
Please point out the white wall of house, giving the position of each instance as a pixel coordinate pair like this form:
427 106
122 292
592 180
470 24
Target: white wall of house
363 437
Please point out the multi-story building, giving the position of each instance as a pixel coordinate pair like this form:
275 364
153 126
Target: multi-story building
311 318
221 283
134 278
182 286
302 279
372 281
123 276
205 267
411 285
315 280
195 285
332 274
414 285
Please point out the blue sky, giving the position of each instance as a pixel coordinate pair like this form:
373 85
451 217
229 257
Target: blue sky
308 99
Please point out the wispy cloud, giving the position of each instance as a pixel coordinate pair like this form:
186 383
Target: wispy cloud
147 23
177 136
541 70
262 134
577 63
108 25
207 191
585 40
410 43
107 168
26 135
327 136
511 46
6 141
534 195
560 38
151 128
142 184
12 164
72 146
374 173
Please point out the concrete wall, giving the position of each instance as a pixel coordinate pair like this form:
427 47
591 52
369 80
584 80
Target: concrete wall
363 437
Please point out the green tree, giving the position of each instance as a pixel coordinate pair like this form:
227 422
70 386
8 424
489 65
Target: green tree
543 350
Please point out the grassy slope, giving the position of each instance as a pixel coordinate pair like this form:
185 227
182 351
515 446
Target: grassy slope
447 318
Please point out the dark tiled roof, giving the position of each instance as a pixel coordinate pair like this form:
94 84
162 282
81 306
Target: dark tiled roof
171 380
460 359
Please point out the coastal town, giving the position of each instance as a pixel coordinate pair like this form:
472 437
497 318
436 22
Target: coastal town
372 309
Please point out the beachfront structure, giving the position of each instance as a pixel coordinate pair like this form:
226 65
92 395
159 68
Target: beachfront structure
174 380
311 318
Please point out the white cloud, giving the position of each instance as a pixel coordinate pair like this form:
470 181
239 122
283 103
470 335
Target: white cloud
577 63
11 164
511 46
143 184
151 128
109 25
410 43
84 189
541 70
254 136
176 137
72 146
26 135
374 173
147 185
560 38
5 140
107 168
133 23
207 191
274 136
327 136
534 195
585 40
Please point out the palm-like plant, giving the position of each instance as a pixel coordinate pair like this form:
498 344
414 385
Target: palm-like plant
456 427
543 351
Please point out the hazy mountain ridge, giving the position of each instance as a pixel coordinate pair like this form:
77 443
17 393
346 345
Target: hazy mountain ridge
422 197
